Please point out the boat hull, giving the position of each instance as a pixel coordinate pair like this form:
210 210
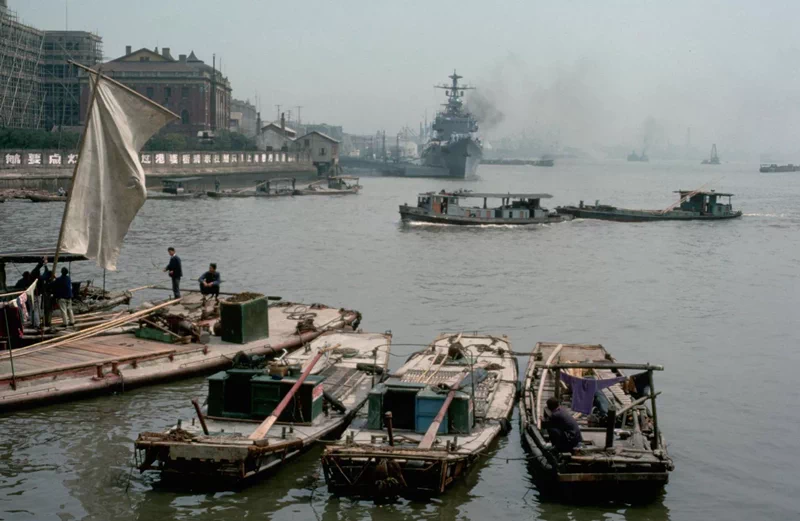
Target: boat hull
415 214
223 195
379 474
622 215
38 198
459 159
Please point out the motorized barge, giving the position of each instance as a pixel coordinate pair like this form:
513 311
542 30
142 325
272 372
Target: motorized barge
445 208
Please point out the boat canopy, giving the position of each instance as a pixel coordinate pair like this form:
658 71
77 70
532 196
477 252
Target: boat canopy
180 179
35 255
702 192
488 195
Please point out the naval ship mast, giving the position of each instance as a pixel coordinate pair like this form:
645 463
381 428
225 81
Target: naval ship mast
454 93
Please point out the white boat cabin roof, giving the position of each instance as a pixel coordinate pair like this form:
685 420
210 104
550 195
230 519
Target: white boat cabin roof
480 195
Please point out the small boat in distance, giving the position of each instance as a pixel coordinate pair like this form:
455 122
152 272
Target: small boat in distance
334 185
46 197
774 168
633 156
176 188
622 456
444 208
713 159
262 413
278 187
429 423
692 205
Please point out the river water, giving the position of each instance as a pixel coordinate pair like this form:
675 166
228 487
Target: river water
715 303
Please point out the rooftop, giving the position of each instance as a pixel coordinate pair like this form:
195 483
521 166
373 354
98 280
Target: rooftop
684 193
36 254
490 195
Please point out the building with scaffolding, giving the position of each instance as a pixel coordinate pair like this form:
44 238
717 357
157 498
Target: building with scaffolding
21 53
60 80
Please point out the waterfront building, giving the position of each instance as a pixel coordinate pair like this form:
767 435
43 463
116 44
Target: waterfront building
187 86
324 150
244 117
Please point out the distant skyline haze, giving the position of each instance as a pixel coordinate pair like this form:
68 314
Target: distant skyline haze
583 73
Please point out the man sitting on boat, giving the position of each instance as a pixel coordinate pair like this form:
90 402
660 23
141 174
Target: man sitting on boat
209 282
564 431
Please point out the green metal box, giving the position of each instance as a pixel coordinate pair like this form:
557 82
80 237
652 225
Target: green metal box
151 333
375 407
457 420
267 393
216 393
243 322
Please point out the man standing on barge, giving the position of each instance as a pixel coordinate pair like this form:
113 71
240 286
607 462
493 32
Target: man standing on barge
175 271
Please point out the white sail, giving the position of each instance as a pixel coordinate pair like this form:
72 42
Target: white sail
108 186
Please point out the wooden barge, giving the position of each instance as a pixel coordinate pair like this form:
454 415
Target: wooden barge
622 455
445 208
426 426
258 418
279 187
42 374
334 185
692 205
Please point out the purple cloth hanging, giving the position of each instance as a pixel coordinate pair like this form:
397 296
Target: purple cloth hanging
583 390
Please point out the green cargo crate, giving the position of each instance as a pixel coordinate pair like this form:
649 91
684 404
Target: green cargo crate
375 407
267 393
151 333
243 322
216 393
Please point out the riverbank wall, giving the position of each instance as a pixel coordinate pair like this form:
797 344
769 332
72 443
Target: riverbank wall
49 170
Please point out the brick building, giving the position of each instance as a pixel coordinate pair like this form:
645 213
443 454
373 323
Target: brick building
190 88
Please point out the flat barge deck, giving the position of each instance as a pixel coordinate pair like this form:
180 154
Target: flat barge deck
105 364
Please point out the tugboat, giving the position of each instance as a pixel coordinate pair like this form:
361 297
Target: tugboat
691 205
444 208
713 159
622 455
261 414
429 423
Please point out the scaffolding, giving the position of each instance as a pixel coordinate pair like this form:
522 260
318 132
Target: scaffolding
21 92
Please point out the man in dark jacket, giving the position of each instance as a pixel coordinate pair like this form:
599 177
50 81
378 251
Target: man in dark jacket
62 291
209 282
175 271
564 431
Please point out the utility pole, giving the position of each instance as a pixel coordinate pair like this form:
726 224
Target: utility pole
278 116
290 115
214 92
298 107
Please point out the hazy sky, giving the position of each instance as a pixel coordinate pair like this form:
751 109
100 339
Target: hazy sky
589 72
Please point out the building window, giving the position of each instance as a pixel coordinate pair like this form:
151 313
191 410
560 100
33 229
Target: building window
150 92
308 143
185 117
167 93
184 92
322 151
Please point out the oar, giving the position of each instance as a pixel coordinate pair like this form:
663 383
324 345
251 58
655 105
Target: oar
430 435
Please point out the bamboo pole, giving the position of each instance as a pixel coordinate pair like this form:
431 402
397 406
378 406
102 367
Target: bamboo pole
74 174
86 333
656 437
605 365
545 372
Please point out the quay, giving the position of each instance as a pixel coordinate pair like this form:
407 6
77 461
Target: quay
46 169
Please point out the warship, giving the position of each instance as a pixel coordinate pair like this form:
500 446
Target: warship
454 150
